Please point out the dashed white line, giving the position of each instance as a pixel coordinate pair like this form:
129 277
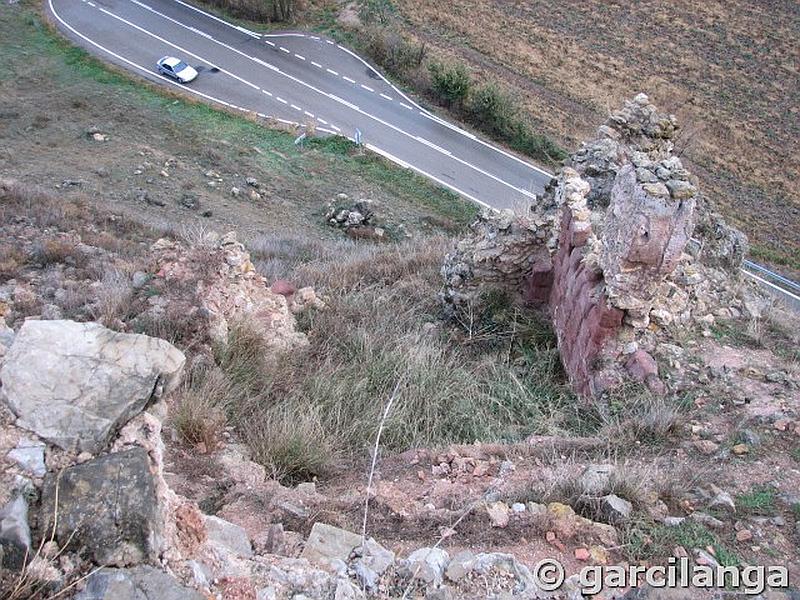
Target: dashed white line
404 105
347 79
330 42
270 43
332 72
315 37
432 145
92 4
323 121
299 56
308 114
335 128
366 87
285 50
316 64
267 93
294 106
387 97
281 100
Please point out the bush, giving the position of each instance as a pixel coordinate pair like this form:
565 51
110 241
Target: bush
492 110
451 83
393 52
258 10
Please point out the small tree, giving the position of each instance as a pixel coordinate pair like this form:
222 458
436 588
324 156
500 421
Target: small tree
451 83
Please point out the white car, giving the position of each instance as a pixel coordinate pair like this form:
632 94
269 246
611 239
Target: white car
176 68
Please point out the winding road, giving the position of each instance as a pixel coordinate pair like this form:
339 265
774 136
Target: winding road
298 78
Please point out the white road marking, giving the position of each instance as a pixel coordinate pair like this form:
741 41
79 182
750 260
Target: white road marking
315 37
432 145
281 100
446 184
299 56
92 4
330 42
294 106
270 43
309 86
385 96
347 79
316 64
335 128
404 105
332 72
267 93
308 114
197 31
285 50
366 87
210 16
321 120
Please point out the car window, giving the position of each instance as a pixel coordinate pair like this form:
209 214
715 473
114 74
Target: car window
167 67
180 67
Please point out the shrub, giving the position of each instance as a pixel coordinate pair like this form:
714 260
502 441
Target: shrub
451 83
393 52
259 10
492 110
199 412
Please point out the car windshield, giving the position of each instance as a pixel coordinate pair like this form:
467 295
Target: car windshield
179 67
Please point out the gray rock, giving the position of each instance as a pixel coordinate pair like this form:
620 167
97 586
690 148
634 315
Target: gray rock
326 543
707 520
673 521
252 182
139 583
372 562
140 279
29 455
615 509
460 566
428 564
228 535
595 479
307 487
108 505
74 384
518 507
498 561
15 534
722 500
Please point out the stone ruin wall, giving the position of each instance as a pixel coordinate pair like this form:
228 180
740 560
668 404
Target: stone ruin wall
606 251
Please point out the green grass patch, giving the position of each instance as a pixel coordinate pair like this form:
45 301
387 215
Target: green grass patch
644 540
760 500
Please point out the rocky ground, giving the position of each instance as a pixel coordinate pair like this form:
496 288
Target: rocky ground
186 416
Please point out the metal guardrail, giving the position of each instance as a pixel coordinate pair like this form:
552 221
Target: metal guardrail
785 290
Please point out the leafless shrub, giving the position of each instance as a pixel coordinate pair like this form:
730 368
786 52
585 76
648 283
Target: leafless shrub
113 297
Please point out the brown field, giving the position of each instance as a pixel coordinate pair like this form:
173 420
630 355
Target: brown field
729 70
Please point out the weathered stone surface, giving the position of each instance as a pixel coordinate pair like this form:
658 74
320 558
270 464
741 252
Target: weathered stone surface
15 534
230 536
74 384
327 543
428 564
614 509
139 583
29 455
108 505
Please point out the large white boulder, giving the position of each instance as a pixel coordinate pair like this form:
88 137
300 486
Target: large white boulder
74 384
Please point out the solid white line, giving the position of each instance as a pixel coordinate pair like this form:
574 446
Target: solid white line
434 146
168 43
326 94
316 64
92 4
210 16
299 56
280 35
385 96
347 79
402 163
332 72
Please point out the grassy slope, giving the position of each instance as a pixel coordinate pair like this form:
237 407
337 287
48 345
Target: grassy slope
43 141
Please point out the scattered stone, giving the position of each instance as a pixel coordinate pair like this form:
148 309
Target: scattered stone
722 500
582 554
707 520
139 583
190 201
74 384
15 534
518 507
595 479
673 521
460 565
327 543
740 449
428 564
614 509
744 535
108 506
29 455
235 191
307 487
499 513
706 447
252 182
229 536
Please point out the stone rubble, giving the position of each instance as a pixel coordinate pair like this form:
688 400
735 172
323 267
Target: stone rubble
622 251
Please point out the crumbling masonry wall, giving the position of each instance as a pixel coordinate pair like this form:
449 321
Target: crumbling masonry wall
606 251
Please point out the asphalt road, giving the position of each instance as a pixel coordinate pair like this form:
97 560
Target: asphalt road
298 78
